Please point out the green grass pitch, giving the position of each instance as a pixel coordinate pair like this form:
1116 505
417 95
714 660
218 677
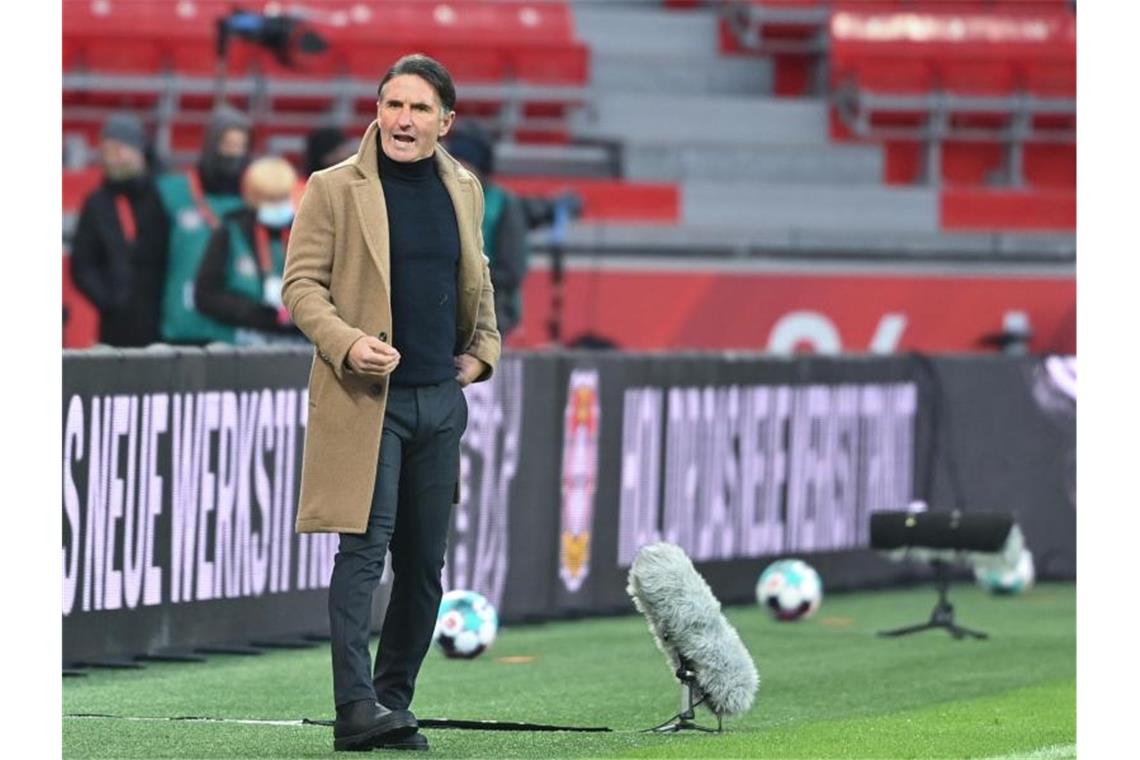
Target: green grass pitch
828 689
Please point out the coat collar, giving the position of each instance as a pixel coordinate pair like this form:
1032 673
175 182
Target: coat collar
366 161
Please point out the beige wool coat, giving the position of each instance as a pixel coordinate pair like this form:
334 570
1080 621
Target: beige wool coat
336 290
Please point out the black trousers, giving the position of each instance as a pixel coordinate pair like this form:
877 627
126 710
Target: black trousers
411 511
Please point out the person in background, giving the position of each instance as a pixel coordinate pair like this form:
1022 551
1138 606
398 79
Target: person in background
118 255
239 282
504 225
196 201
325 147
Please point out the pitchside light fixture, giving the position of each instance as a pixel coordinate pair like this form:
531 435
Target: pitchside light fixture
946 539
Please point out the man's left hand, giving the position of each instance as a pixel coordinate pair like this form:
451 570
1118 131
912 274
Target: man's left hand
468 369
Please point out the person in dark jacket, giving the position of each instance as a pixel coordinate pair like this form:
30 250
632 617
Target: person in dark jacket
504 225
239 282
119 253
325 147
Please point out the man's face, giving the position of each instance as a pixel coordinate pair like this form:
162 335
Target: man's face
411 118
121 161
234 143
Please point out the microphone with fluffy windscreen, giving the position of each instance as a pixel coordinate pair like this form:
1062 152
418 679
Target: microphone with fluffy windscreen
703 649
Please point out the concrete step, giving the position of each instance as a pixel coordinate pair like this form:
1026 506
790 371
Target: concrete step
681 75
514 159
861 251
844 164
708 119
808 207
644 28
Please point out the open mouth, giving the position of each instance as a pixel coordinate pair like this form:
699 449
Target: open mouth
408 139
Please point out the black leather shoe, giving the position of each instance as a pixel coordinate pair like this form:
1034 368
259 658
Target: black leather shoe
361 725
416 741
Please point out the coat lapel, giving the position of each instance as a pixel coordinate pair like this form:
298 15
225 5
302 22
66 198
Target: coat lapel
462 191
371 210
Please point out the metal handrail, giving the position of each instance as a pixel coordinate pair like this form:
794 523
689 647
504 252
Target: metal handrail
261 91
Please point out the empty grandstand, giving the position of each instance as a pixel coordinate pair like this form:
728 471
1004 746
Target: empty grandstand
754 174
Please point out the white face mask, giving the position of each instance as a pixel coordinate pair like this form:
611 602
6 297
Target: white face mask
279 214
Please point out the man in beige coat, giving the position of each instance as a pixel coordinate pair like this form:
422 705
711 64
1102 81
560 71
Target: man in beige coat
385 273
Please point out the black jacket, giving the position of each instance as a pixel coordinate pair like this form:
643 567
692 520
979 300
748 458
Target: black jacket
122 279
211 295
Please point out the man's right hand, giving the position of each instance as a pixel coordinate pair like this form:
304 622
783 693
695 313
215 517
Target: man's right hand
371 356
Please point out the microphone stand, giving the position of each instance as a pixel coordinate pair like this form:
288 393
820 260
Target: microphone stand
691 697
943 614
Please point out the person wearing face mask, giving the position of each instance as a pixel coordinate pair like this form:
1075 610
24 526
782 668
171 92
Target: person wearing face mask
239 282
196 201
118 255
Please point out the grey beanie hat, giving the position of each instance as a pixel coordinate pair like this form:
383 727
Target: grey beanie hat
125 128
223 118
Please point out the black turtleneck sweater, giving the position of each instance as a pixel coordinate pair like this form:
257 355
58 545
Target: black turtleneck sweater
424 255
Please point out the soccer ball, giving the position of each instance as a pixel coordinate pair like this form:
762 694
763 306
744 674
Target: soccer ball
466 624
790 589
1008 580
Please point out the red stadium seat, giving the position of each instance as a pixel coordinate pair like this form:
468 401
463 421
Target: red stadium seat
976 77
77 185
898 76
72 54
984 54
123 55
198 57
607 200
1054 79
974 209
787 31
370 61
470 63
484 41
891 77
565 65
185 136
986 85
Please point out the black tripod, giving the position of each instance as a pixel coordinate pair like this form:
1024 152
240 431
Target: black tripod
943 614
691 698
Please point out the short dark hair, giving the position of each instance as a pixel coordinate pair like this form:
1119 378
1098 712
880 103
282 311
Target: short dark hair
428 69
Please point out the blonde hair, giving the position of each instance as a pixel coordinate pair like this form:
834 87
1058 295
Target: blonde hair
270 176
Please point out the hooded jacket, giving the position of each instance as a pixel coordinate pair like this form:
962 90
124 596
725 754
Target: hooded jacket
221 175
118 259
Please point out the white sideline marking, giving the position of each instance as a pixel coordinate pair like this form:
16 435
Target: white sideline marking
248 721
1055 752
